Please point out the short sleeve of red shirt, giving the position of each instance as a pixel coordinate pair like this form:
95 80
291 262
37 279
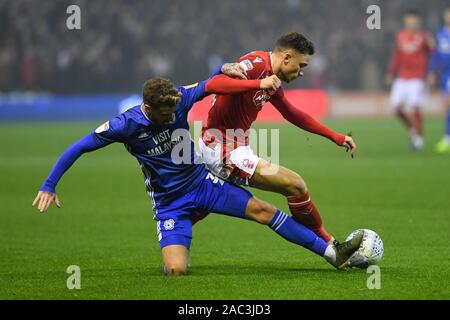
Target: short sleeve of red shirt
256 64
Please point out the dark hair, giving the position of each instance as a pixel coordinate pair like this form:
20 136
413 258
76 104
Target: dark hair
160 92
412 12
296 41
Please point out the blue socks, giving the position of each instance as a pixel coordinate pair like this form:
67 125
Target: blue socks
297 233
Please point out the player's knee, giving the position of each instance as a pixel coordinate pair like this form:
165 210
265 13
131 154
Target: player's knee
267 213
296 185
260 211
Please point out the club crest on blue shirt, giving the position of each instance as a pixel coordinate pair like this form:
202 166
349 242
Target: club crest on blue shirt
169 224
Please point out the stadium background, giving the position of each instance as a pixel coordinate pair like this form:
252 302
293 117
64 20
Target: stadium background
56 85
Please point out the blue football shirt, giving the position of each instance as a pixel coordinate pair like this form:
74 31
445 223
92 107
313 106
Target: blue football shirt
166 154
441 56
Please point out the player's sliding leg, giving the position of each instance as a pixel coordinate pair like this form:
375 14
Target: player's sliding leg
228 199
235 201
293 231
285 226
271 177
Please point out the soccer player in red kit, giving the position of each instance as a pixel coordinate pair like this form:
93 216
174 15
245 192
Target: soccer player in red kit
236 162
409 64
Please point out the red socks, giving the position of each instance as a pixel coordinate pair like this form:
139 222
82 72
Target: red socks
304 211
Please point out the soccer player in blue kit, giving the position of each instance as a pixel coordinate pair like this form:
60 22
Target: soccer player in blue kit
156 133
440 62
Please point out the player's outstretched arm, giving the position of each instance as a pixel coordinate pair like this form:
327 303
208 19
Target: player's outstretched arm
225 81
223 84
47 193
306 122
220 83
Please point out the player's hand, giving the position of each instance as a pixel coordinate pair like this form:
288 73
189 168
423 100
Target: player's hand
234 70
45 199
350 145
272 83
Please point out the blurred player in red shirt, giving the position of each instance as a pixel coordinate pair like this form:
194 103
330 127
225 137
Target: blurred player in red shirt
409 67
231 117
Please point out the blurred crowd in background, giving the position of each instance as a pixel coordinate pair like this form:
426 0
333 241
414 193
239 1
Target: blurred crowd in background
124 42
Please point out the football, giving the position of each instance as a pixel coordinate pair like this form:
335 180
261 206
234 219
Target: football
370 251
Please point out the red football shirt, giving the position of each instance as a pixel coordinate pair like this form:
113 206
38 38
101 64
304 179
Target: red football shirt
411 55
240 111
237 112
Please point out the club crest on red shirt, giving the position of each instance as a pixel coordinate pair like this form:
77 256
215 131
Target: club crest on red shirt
260 98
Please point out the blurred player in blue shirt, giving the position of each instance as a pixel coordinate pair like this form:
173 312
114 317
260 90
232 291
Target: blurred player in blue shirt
440 63
156 133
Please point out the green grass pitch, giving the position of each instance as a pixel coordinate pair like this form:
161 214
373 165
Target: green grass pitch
105 224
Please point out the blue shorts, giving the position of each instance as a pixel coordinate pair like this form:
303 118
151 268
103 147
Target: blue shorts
174 226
